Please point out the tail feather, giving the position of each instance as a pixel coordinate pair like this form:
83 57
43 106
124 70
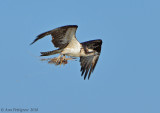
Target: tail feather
51 52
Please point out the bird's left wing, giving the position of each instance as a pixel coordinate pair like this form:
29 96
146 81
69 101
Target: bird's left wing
61 36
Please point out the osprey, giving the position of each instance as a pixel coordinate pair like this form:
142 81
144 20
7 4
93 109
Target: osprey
65 40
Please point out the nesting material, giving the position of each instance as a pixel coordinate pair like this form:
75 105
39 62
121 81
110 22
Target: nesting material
55 59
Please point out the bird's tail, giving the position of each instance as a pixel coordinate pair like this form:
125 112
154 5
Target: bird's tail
51 52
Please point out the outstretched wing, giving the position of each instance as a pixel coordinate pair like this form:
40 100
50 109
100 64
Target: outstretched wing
88 63
60 36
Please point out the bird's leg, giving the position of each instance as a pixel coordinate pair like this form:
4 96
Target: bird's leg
64 58
58 59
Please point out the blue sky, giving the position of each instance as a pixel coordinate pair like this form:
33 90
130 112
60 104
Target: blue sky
126 78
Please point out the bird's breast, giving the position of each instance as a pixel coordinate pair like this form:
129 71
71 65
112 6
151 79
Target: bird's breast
74 52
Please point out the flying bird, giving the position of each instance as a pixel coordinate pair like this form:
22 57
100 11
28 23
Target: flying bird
64 38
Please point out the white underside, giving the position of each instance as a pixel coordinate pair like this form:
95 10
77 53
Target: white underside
73 48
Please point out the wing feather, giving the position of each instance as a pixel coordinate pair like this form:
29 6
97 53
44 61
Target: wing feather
60 36
88 63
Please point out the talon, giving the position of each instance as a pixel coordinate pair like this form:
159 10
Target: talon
58 60
61 61
64 58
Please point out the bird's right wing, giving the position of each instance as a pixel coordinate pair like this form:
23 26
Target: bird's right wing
88 63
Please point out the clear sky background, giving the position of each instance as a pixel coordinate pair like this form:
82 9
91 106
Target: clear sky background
126 78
